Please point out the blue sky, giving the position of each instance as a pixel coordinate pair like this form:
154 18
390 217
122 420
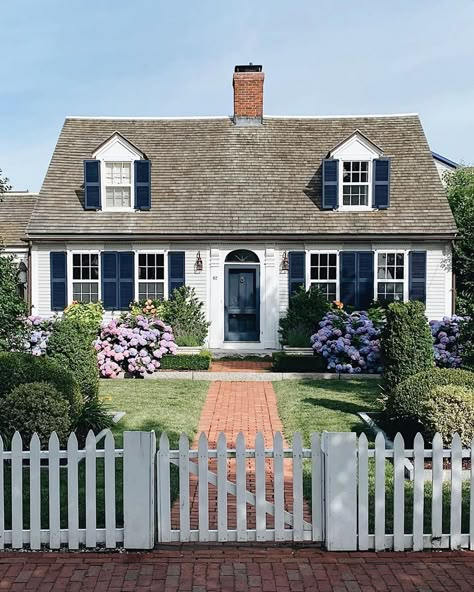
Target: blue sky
176 58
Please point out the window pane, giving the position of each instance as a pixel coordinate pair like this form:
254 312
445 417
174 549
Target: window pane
76 273
323 273
333 259
323 260
332 273
154 290
141 260
76 260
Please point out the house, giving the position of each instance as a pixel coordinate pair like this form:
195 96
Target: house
244 208
444 166
16 208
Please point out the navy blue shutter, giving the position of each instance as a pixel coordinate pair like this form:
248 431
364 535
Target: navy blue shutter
109 280
92 185
357 278
142 184
176 277
417 276
365 279
381 185
126 281
58 274
348 281
296 271
330 183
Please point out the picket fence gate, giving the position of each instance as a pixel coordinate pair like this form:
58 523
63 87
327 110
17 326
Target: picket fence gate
359 495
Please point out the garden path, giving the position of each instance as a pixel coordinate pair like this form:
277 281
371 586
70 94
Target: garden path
231 407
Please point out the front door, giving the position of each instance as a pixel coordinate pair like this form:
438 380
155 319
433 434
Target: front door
241 305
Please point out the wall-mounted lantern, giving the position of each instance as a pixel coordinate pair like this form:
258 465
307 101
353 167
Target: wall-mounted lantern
198 266
284 262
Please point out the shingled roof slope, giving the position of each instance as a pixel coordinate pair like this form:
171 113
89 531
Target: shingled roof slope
211 177
15 212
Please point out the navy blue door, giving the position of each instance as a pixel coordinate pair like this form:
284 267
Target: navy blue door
241 305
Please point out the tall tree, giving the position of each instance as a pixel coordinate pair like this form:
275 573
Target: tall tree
460 186
4 185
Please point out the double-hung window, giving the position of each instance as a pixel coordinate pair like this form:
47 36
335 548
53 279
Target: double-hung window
355 183
85 277
151 276
391 275
118 185
323 274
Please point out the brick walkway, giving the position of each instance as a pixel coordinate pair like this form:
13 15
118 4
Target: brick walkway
233 569
232 407
240 366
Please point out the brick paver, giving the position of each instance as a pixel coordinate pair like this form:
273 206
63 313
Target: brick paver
240 366
234 569
233 407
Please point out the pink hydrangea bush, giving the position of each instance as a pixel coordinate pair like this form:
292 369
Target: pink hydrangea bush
133 344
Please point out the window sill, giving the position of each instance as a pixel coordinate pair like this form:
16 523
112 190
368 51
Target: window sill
355 209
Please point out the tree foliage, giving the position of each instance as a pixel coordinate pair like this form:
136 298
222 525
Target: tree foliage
460 186
13 309
4 184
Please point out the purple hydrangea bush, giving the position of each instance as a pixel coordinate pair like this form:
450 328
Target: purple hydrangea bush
350 343
446 343
38 330
134 344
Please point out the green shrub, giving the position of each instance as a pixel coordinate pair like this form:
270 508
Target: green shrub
147 307
184 313
407 399
21 368
282 362
94 416
13 308
87 315
201 361
305 311
406 343
449 409
35 407
70 344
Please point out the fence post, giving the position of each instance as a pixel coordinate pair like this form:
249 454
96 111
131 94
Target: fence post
139 449
340 475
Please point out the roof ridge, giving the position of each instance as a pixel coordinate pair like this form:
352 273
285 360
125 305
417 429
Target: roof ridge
225 117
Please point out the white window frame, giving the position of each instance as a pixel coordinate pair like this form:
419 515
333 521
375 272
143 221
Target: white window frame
163 252
342 184
71 280
405 282
105 185
308 269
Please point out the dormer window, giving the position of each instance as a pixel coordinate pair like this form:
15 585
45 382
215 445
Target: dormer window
118 185
117 177
356 176
355 183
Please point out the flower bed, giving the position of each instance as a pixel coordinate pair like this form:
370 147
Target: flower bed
349 343
134 344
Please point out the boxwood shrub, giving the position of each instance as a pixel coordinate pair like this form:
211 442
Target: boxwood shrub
21 368
35 407
282 362
71 345
406 343
408 398
449 409
201 361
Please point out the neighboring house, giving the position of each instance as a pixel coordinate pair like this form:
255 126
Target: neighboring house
443 166
16 208
244 209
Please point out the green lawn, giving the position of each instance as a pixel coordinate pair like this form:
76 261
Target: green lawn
171 406
316 405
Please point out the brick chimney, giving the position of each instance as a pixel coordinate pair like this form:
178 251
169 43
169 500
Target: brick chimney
248 95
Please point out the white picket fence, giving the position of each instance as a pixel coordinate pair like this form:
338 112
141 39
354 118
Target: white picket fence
358 495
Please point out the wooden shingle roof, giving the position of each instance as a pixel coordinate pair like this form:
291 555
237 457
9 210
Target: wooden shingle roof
15 212
210 177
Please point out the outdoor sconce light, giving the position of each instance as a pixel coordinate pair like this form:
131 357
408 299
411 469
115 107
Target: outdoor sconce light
22 273
284 262
198 265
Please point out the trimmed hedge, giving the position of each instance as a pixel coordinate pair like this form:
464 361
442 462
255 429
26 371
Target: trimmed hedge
449 409
20 368
283 362
406 343
70 344
201 361
305 311
409 397
35 407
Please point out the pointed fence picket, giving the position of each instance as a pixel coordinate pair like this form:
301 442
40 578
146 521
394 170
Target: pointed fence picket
38 476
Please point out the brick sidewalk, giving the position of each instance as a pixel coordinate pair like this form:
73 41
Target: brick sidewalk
234 569
232 407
